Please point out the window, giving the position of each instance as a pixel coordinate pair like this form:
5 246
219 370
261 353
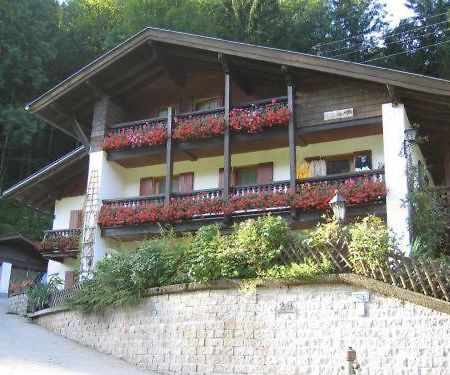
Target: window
249 175
207 104
246 176
338 166
182 183
76 219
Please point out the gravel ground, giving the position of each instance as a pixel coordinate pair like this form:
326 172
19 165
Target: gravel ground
28 349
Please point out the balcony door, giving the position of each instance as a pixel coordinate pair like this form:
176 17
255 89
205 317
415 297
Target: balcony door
249 175
181 183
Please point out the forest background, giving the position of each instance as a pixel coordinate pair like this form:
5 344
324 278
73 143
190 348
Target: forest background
43 41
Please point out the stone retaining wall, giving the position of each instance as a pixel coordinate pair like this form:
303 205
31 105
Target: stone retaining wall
18 304
302 329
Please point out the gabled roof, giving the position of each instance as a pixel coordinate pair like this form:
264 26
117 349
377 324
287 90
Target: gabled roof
273 55
74 88
49 179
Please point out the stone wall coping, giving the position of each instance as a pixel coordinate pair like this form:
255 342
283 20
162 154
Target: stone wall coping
48 311
345 278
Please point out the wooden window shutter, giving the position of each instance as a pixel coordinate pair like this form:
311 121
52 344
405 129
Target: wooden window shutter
265 173
69 279
76 219
186 182
147 186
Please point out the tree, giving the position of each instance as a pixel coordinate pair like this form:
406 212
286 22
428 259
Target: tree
420 44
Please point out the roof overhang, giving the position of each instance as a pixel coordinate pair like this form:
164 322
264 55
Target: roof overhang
46 103
43 187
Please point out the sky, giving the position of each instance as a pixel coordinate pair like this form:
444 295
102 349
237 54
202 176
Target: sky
396 11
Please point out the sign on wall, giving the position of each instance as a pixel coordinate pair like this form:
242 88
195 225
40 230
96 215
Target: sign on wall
338 114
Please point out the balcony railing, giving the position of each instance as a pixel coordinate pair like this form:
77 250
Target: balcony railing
310 194
148 132
247 118
60 243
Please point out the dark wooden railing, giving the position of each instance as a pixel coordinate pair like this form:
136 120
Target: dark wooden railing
260 103
156 121
60 241
199 114
198 194
273 187
134 201
117 128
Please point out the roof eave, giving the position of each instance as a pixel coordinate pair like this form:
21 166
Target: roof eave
282 57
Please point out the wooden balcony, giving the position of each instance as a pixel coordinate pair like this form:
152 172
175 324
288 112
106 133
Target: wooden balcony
139 216
197 135
58 244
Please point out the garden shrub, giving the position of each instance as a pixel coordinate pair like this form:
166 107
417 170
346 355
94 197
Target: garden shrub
205 246
368 241
294 271
39 294
252 250
124 277
325 236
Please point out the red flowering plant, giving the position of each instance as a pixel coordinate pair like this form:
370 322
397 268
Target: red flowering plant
197 127
146 134
309 196
257 118
20 286
60 242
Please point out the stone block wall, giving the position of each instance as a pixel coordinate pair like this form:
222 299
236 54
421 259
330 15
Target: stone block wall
303 329
18 304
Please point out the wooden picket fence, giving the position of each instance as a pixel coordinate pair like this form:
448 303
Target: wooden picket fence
59 297
418 274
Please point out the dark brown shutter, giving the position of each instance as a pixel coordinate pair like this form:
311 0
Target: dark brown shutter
146 187
186 182
221 178
76 219
265 173
69 279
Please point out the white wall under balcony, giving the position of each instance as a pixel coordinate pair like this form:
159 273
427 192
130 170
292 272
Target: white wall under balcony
59 269
373 143
62 210
206 170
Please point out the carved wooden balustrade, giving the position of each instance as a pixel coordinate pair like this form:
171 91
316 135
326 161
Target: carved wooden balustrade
365 187
60 243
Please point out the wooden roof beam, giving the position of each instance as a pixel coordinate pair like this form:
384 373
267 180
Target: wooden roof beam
173 70
393 94
236 75
78 130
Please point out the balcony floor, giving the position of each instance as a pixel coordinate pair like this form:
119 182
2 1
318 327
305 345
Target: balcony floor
302 221
202 148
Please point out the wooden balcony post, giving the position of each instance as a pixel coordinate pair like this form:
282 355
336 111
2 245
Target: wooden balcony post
292 128
226 137
446 162
169 156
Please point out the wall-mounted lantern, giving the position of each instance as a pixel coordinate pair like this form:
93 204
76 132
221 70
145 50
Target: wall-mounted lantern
337 204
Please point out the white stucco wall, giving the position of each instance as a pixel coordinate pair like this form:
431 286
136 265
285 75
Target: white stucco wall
111 177
395 121
5 276
59 269
206 170
62 210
